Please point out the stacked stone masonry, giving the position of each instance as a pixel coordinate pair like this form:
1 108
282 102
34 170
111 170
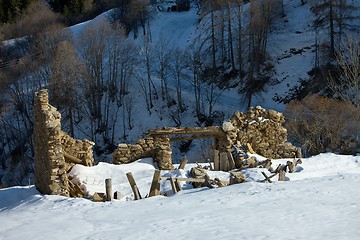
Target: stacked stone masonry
264 131
51 143
156 147
259 128
56 152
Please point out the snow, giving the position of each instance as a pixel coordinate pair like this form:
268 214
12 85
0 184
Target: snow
177 28
319 202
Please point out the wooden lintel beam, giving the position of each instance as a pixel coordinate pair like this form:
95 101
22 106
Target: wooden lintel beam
214 131
192 137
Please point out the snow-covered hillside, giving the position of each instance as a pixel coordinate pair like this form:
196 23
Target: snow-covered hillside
321 201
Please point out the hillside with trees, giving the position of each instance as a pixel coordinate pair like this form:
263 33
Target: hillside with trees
134 67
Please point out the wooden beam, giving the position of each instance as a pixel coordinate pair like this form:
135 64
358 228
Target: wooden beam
282 176
214 131
231 161
172 183
266 178
177 185
183 163
135 189
291 166
155 185
193 137
216 160
200 180
224 162
72 159
250 149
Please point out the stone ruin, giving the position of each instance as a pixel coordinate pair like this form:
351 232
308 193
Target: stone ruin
264 131
56 152
258 129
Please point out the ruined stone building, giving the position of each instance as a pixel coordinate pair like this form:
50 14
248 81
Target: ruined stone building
56 152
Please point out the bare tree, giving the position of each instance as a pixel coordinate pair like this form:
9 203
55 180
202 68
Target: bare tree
259 70
92 47
239 16
66 73
195 64
178 59
335 15
146 57
162 53
137 15
230 36
346 84
212 93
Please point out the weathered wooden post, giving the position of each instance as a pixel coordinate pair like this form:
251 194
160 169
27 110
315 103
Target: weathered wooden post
216 160
183 163
177 185
155 185
291 166
172 182
282 176
135 189
108 189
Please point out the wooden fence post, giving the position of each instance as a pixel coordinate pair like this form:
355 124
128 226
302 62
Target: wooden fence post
183 163
172 182
177 185
108 189
224 162
216 160
282 176
135 189
155 185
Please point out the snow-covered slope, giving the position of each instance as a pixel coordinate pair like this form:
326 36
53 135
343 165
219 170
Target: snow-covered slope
321 201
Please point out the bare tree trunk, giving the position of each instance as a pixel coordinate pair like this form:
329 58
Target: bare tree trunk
213 41
332 31
240 59
148 72
230 37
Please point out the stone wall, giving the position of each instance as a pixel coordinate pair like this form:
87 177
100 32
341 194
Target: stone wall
264 131
50 144
261 129
156 147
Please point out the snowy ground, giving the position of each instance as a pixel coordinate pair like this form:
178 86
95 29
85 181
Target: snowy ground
321 201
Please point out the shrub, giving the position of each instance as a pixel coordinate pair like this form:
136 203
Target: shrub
322 124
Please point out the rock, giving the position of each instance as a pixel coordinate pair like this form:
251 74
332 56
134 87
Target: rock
227 127
236 178
197 172
99 197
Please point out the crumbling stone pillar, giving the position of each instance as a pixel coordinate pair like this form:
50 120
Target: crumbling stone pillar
163 155
50 173
56 152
